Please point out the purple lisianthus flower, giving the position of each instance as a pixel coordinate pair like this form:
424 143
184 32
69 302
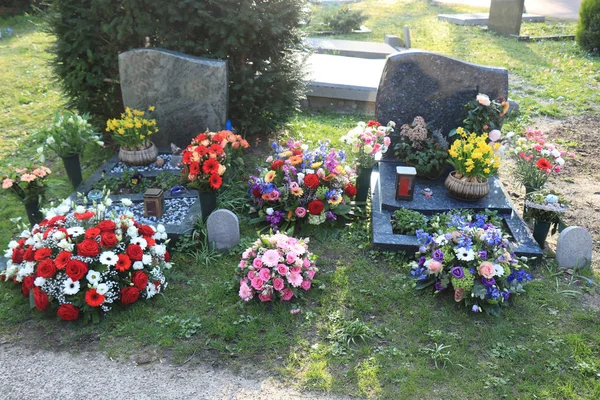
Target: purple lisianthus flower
457 272
422 261
506 295
439 286
482 254
501 259
438 255
488 282
330 215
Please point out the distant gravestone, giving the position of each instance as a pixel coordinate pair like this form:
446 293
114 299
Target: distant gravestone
223 230
574 247
506 16
190 93
436 87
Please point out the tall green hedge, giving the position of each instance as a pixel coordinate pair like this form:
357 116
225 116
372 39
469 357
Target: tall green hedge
588 28
259 38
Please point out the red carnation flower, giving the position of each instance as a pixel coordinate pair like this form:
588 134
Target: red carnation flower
46 269
150 240
311 181
17 256
68 312
139 279
62 259
86 215
373 123
108 240
58 220
29 254
215 149
107 226
275 165
129 295
93 298
76 270
315 207
350 190
194 168
88 248
40 299
167 256
210 166
297 152
544 164
42 253
134 252
215 181
27 285
123 263
146 230
92 233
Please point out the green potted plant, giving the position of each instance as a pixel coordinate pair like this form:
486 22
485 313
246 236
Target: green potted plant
28 184
423 149
68 136
132 133
545 209
407 222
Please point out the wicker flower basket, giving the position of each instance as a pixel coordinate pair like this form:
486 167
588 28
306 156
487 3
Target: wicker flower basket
466 190
138 157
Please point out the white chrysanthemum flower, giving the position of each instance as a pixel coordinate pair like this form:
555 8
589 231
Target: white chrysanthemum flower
147 259
126 202
139 265
58 235
93 277
76 231
498 270
159 249
102 288
132 232
160 228
109 258
11 270
39 281
140 241
464 254
70 287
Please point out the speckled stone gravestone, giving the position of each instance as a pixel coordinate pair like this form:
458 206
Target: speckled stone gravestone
223 230
190 93
435 87
574 248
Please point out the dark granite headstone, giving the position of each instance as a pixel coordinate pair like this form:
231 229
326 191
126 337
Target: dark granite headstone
506 16
435 87
190 93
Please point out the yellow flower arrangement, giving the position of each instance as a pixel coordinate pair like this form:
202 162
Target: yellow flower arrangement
473 157
133 129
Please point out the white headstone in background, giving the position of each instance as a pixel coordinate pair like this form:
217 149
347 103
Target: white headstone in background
223 230
574 248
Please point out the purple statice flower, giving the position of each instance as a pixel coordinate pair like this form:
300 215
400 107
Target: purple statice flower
419 272
330 216
457 272
439 286
438 255
482 254
488 282
506 294
422 260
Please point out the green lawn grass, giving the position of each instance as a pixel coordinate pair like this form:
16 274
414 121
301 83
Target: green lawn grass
546 346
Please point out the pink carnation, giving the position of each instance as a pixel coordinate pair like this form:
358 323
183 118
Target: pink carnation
28 178
311 274
264 274
7 183
278 284
245 292
387 141
251 275
287 294
296 270
242 264
270 258
306 263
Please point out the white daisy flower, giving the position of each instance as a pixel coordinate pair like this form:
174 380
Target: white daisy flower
39 281
70 287
93 277
109 258
140 242
76 231
150 290
102 288
464 254
498 270
139 264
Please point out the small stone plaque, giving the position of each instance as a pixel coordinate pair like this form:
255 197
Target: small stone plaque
574 248
223 230
506 16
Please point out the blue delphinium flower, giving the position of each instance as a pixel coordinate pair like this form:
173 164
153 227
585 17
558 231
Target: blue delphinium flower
424 237
419 272
493 293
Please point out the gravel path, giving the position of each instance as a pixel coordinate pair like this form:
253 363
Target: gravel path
48 375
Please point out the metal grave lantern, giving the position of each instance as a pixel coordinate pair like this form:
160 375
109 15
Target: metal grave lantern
154 202
405 183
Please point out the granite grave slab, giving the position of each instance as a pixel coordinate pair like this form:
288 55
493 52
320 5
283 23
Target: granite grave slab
482 18
190 93
506 16
350 48
435 87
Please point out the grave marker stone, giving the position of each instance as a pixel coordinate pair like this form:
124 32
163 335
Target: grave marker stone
435 87
574 247
190 93
506 16
223 230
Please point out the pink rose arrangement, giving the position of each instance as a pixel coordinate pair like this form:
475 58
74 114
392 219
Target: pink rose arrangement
276 266
369 140
26 183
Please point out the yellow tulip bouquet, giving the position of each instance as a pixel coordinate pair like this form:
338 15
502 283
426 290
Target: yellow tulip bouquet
473 157
133 130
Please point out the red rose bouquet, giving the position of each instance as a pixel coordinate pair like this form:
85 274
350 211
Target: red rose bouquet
79 262
204 160
276 266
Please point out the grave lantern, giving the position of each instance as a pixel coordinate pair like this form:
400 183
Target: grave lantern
405 183
154 201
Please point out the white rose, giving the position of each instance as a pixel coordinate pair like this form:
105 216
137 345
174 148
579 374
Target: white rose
126 202
146 259
138 265
483 99
132 231
39 281
80 209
